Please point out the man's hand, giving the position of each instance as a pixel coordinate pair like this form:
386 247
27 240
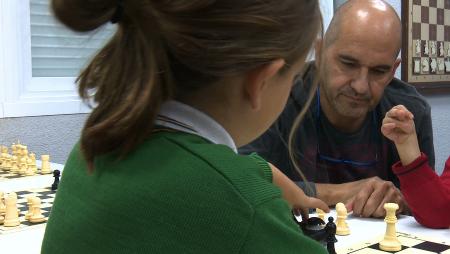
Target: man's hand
373 194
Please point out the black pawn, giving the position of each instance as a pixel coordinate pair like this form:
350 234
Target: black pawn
56 174
330 228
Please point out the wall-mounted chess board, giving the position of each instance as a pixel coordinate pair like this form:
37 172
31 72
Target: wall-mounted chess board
45 194
410 245
426 43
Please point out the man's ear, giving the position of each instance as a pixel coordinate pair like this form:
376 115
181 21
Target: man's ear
317 51
257 80
396 64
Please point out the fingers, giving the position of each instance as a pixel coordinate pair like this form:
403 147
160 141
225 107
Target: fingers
393 195
360 200
317 203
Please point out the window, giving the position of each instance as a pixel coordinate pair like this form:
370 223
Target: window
40 59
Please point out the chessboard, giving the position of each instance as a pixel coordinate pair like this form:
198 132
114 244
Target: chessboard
6 175
45 194
426 55
410 245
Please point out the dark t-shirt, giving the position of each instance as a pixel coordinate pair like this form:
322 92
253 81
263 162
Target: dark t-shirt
318 144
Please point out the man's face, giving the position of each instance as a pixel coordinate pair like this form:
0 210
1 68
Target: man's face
356 69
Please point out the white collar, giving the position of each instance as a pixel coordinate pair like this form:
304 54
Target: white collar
182 117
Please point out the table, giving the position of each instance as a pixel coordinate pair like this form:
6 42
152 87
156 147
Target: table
29 240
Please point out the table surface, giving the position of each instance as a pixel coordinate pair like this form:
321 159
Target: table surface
362 229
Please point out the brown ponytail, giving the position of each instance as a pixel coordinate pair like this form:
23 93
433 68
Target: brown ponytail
164 48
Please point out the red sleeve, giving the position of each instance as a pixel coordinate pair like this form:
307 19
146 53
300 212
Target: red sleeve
427 194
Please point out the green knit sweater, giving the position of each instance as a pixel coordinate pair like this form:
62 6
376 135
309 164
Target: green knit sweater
176 193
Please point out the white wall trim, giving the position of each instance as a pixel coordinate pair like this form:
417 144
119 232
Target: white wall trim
20 93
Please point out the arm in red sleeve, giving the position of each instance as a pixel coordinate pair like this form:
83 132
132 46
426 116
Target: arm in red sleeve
427 194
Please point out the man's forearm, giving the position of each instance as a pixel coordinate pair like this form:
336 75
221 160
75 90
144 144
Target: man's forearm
332 194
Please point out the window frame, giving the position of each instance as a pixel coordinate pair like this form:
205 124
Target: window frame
20 93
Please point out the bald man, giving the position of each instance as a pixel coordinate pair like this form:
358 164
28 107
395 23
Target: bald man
338 146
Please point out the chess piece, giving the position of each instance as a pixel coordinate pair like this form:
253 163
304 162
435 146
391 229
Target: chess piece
320 214
390 241
441 48
433 48
433 65
30 206
416 65
342 227
56 174
23 168
447 65
2 205
425 65
418 51
330 228
441 66
7 163
425 48
37 216
14 166
11 214
45 167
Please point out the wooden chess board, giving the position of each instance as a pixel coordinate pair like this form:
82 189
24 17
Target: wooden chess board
45 194
426 56
410 245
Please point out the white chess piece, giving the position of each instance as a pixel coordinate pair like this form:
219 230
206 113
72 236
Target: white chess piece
418 51
416 65
341 224
425 48
30 206
441 65
441 48
2 205
447 65
320 214
425 65
45 167
37 216
11 214
433 48
390 241
433 65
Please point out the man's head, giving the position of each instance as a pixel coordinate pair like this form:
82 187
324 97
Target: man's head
358 57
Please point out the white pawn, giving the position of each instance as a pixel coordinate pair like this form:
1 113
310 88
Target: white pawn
390 241
37 216
341 224
2 205
11 215
45 167
30 207
14 166
320 214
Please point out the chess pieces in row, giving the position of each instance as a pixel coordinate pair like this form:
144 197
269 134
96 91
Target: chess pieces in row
431 48
431 65
9 214
21 162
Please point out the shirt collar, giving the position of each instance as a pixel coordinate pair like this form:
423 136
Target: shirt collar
182 117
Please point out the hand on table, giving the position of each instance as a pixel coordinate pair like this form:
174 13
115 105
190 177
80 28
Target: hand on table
373 194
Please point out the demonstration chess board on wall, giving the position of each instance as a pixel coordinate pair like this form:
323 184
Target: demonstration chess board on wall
426 43
45 194
410 245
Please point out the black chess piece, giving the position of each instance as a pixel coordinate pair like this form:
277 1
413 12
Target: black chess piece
330 229
56 174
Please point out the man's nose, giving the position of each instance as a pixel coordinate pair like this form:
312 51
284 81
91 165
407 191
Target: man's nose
360 83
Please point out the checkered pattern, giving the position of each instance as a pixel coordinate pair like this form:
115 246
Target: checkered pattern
431 29
5 175
45 194
410 245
